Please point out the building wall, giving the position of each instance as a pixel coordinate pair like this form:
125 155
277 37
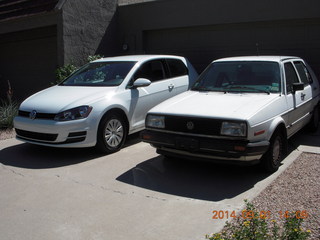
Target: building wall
127 2
33 47
84 25
204 30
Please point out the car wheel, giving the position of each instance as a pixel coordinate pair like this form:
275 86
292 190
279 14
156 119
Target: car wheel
271 160
111 134
314 122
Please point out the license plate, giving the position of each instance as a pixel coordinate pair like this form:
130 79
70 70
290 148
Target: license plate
189 144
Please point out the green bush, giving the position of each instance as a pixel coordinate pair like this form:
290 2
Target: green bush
94 57
63 72
254 226
8 110
66 70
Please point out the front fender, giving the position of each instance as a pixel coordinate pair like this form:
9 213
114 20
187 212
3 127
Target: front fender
277 122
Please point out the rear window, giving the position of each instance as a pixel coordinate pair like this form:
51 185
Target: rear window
176 67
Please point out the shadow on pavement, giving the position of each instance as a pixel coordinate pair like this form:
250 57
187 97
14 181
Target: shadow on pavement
31 156
305 137
38 157
203 180
197 180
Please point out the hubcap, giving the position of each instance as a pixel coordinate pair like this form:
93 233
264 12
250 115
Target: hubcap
276 153
114 133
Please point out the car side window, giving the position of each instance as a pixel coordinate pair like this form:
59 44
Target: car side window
291 76
303 73
152 70
176 67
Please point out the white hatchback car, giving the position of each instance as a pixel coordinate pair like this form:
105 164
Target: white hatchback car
240 110
103 102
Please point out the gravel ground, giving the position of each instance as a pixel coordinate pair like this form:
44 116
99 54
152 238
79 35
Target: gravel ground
296 189
8 133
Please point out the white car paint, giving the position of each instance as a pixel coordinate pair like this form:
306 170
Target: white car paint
263 112
133 103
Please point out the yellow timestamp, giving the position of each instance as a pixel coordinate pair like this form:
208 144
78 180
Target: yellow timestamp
249 214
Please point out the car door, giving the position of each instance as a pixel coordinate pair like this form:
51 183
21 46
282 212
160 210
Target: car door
144 98
298 101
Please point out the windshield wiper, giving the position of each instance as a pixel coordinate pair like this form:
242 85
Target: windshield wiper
200 89
246 88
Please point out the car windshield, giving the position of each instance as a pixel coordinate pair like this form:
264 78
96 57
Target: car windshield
100 74
240 76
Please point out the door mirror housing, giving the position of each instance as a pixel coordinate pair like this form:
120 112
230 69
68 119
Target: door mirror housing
141 82
297 87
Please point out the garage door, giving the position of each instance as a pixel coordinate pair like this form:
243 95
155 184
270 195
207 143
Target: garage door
206 43
28 60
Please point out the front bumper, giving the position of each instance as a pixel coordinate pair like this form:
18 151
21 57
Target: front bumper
205 148
78 133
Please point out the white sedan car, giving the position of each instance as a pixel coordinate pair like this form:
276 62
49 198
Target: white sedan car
240 110
103 102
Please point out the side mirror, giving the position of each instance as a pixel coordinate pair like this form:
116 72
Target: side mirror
297 87
141 82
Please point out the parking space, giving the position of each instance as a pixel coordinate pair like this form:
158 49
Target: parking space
51 193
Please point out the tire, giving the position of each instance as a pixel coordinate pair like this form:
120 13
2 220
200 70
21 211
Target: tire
314 122
112 133
271 160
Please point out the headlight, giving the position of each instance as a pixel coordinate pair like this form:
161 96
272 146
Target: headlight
155 121
73 114
236 129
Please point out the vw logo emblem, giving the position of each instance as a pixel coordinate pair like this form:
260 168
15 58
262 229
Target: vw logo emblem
33 115
190 125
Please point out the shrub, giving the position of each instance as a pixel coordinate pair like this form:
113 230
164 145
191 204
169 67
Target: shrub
8 110
255 227
94 57
63 72
66 70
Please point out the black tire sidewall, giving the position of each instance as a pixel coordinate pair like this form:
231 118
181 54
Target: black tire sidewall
267 160
102 145
314 123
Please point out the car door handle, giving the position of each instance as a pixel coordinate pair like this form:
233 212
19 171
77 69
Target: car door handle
303 96
171 86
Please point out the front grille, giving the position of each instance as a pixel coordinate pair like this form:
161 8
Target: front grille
36 136
203 126
73 137
48 116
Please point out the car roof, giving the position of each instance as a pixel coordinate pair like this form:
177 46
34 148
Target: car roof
136 58
257 58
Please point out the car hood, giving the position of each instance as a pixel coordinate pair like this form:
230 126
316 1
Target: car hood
60 98
238 106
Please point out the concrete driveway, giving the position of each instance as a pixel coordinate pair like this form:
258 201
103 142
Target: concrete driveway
134 194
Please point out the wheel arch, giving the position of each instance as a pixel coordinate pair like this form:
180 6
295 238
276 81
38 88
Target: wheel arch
118 111
280 127
277 125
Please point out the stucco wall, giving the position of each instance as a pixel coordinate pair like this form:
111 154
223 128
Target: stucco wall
84 25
